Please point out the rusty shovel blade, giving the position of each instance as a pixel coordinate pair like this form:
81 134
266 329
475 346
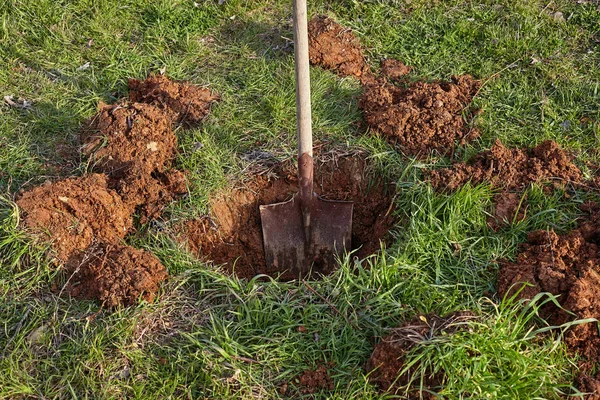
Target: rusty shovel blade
287 247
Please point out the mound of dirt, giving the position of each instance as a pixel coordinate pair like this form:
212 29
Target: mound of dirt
510 168
568 266
508 208
116 274
394 69
422 117
336 48
134 145
232 235
75 212
182 102
315 380
389 355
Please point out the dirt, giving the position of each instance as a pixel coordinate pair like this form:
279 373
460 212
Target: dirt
389 355
183 102
116 274
568 266
510 168
509 207
232 234
422 117
75 212
394 69
130 147
315 379
336 48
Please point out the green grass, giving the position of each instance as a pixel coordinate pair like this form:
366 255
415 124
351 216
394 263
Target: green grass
212 336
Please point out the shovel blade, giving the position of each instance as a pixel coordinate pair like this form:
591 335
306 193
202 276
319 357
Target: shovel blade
289 251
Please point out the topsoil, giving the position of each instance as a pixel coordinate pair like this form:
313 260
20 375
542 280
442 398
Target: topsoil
232 234
314 380
336 48
389 355
423 116
130 147
567 266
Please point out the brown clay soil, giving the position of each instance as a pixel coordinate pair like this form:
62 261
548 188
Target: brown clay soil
394 69
130 147
336 48
568 266
315 379
509 207
183 102
510 168
422 117
232 234
389 355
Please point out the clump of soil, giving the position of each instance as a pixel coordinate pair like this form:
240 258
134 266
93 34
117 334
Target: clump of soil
336 48
423 116
232 234
182 102
394 69
568 266
116 274
510 168
509 207
388 357
314 380
74 212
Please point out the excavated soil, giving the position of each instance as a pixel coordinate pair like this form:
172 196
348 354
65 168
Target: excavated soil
389 355
115 274
131 147
568 266
422 117
183 102
394 69
315 380
336 48
510 168
508 208
232 234
75 212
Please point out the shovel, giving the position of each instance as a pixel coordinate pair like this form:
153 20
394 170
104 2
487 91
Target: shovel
307 232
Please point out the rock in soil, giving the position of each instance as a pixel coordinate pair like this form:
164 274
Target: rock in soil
388 357
336 48
567 266
183 102
232 234
423 117
75 212
115 274
510 168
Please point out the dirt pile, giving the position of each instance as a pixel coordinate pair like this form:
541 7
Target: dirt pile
183 102
388 357
394 69
232 234
567 266
510 168
336 48
423 116
315 380
131 147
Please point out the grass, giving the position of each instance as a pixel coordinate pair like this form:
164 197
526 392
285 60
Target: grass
213 336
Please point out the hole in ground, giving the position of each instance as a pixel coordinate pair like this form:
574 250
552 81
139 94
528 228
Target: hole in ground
232 234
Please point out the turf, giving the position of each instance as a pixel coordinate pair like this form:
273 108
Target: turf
212 336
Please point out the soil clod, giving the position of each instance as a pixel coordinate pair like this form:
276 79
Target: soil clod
389 356
316 379
422 117
336 48
394 69
232 234
182 102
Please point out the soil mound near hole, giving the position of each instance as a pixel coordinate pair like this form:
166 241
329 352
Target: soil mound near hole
422 117
134 145
394 69
182 102
74 212
568 266
336 48
232 235
116 274
510 168
389 355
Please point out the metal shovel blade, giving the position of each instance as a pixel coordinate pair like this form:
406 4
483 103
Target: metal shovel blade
287 247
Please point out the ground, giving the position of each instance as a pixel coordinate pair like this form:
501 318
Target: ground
101 169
